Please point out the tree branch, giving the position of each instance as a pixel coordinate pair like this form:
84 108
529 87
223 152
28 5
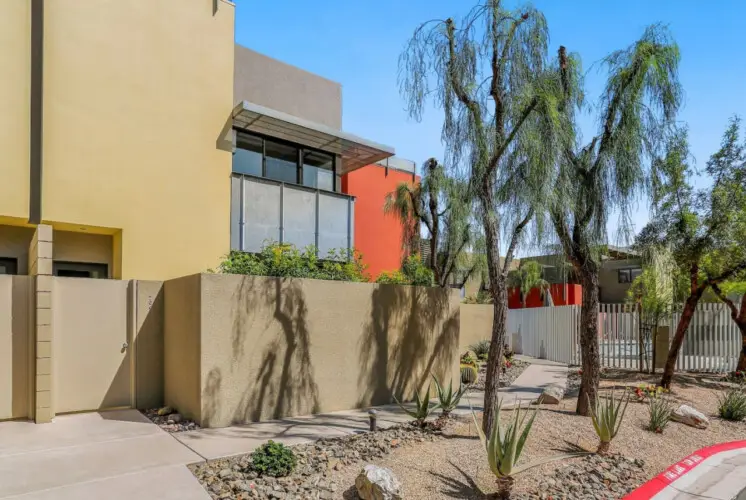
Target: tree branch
514 240
506 143
726 300
727 274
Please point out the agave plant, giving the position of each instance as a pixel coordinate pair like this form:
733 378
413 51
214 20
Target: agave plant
607 419
448 400
422 408
505 445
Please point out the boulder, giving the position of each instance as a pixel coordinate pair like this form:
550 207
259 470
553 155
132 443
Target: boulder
687 415
166 410
552 395
378 483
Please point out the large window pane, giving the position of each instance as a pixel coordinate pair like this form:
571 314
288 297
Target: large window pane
318 170
282 162
248 156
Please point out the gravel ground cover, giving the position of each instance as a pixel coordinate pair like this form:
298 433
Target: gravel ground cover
452 464
516 368
172 421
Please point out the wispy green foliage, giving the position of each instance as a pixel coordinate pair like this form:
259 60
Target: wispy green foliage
503 124
608 173
443 204
413 272
526 278
286 260
705 228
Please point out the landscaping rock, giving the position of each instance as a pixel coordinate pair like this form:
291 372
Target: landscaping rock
552 395
591 478
316 466
506 378
690 416
378 483
169 420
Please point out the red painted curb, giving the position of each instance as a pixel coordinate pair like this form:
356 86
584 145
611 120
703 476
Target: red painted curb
675 471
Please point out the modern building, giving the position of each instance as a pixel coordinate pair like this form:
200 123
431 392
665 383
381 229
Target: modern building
153 144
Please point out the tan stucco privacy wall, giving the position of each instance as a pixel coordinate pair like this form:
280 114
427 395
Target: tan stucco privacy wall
135 122
15 346
243 348
476 324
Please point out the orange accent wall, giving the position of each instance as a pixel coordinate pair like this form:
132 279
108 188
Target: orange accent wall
377 236
562 295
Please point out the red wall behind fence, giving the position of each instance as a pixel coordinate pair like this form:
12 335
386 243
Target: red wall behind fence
562 295
377 236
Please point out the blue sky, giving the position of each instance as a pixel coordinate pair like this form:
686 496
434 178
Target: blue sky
357 43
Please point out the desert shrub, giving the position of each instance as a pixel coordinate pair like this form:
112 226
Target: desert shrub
287 261
732 404
649 391
469 374
481 297
508 352
660 410
413 272
422 407
481 348
607 416
467 359
273 459
737 376
392 278
449 400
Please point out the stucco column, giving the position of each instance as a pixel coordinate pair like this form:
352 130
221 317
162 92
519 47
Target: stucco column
40 267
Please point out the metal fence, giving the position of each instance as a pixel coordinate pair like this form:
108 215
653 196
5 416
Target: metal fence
712 342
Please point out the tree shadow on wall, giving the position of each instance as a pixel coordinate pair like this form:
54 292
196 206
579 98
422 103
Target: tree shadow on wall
269 314
412 332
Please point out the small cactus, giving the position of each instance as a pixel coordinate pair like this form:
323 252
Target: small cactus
468 374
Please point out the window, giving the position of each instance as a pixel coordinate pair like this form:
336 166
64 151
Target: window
249 155
80 270
282 162
318 170
8 265
629 275
285 162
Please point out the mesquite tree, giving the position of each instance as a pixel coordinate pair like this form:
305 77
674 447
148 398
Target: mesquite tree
704 228
642 95
502 125
443 205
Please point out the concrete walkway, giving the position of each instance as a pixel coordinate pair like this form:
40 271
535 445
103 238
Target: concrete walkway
240 439
121 455
117 455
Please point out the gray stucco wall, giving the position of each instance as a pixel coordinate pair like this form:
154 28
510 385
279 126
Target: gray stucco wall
613 292
274 84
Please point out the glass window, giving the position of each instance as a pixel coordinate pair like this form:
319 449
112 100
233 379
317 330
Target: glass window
635 273
80 270
8 265
318 170
625 276
248 156
282 162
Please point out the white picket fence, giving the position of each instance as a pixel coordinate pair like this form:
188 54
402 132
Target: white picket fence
711 344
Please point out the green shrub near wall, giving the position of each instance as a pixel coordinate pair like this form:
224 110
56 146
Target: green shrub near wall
286 261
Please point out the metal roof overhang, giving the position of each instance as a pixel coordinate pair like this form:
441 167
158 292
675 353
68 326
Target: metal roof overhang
355 151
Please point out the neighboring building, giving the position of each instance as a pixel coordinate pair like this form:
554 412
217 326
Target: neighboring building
153 144
619 267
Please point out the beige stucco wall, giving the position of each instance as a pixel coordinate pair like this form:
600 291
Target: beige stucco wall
14 346
274 347
15 68
14 242
277 85
611 291
83 247
148 343
476 324
133 128
91 368
182 344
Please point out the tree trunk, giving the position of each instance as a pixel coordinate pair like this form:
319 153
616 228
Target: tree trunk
740 320
690 306
590 358
499 295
